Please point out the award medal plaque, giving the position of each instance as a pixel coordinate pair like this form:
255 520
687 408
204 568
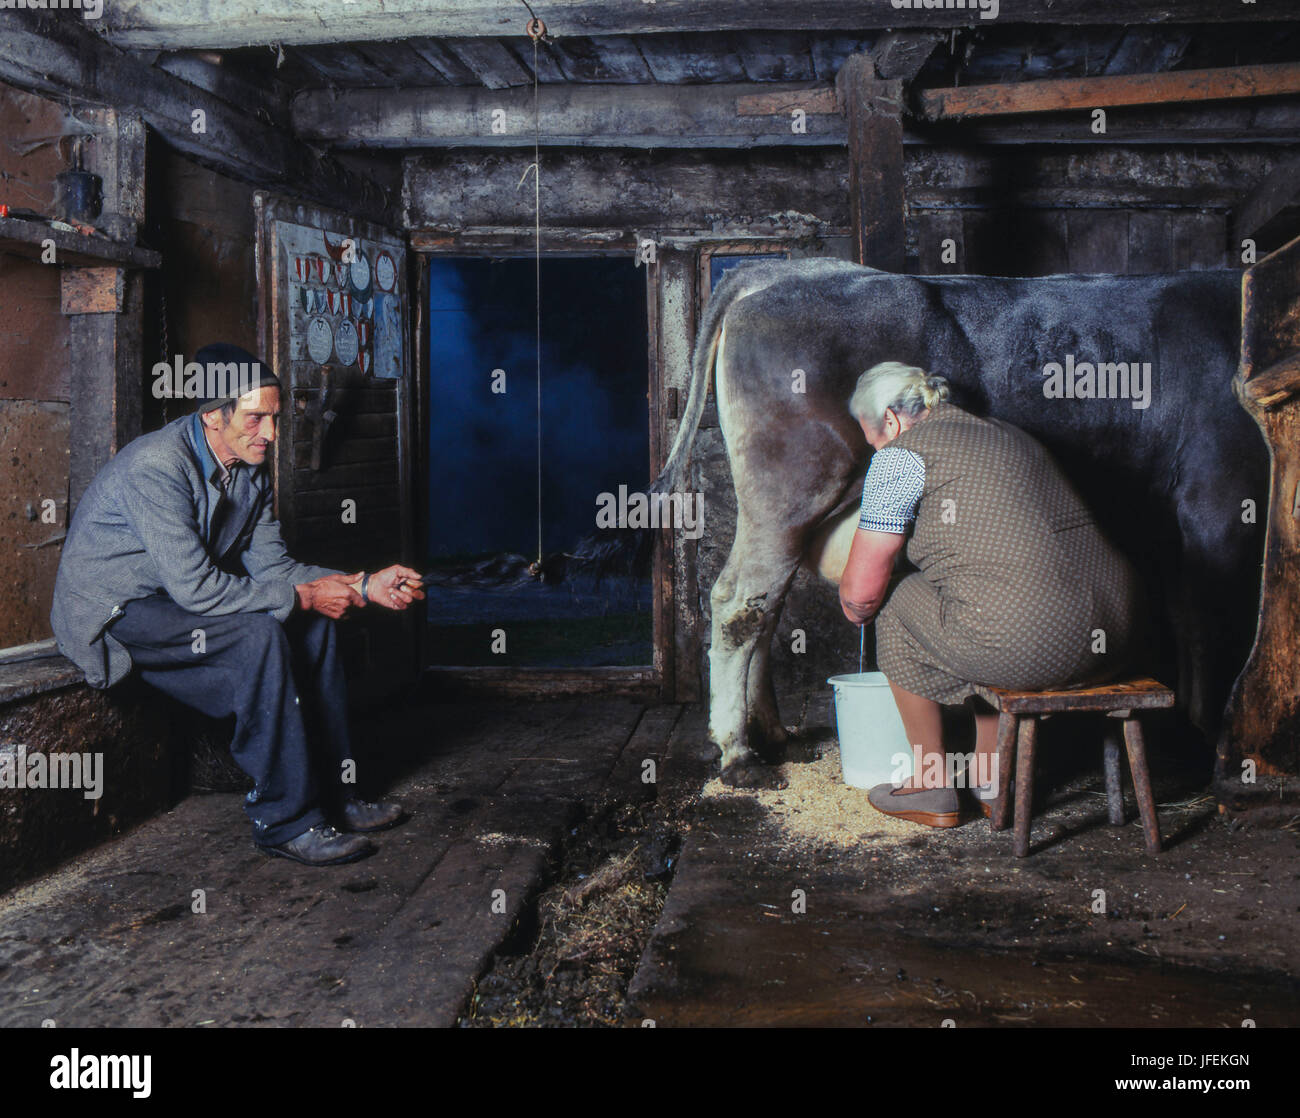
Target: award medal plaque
359 276
345 342
320 341
385 272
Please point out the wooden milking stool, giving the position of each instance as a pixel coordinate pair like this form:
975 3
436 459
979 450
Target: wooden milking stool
1018 715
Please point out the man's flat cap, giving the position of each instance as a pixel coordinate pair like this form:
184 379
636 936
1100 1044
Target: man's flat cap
229 371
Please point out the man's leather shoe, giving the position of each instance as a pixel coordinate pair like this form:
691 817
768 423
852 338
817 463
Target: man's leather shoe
321 846
361 816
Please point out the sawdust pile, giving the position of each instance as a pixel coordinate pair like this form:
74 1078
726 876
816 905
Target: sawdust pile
817 809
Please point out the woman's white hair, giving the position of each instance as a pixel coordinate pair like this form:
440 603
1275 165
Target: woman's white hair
891 384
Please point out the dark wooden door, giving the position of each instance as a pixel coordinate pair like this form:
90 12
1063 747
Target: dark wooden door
333 319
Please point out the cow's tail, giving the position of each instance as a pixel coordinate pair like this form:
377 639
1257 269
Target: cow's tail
736 284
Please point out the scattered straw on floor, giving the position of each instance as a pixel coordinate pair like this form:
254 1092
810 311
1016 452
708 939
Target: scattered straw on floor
818 809
497 838
592 933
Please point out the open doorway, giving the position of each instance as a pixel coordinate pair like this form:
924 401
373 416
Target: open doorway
592 605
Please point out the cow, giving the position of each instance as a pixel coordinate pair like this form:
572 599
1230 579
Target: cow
1173 468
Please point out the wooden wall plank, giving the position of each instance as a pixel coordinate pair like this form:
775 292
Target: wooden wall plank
490 61
602 60
776 56
1097 241
1075 94
710 116
34 439
930 228
1200 241
340 476
170 24
1041 242
678 59
1151 241
350 425
33 334
657 190
449 69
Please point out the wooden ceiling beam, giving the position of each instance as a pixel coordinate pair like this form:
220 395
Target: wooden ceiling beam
731 115
193 24
1279 190
901 54
1073 94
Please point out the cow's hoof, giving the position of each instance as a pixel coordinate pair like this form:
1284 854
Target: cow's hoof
772 734
752 774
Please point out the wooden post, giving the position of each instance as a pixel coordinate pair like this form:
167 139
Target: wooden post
1258 764
106 306
874 108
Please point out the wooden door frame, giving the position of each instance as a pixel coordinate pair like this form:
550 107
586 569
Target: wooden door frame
655 680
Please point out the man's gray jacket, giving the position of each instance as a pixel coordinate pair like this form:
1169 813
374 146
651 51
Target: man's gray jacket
146 525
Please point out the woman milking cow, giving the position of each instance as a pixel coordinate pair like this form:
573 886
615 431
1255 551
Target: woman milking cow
1016 587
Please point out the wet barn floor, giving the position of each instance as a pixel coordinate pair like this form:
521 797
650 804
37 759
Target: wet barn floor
801 905
901 925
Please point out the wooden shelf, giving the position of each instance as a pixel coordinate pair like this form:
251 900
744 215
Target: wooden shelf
72 250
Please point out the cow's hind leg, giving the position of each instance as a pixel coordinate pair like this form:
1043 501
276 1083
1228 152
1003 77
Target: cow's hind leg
746 602
766 732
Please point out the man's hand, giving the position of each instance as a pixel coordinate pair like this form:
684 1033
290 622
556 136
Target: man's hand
395 587
330 595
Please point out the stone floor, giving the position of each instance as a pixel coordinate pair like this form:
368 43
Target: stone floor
112 939
796 904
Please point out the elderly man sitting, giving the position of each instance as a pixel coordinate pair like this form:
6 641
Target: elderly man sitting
174 566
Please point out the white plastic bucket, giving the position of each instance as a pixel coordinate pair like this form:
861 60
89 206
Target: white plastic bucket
873 744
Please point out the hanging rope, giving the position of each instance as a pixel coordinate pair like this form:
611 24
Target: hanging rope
536 30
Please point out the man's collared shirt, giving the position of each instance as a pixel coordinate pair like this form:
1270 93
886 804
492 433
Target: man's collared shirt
239 493
215 465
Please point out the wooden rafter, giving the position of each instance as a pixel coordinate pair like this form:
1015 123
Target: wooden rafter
61 57
722 115
189 24
1058 95
1278 190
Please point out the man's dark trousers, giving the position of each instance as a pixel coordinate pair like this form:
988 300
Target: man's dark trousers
252 666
